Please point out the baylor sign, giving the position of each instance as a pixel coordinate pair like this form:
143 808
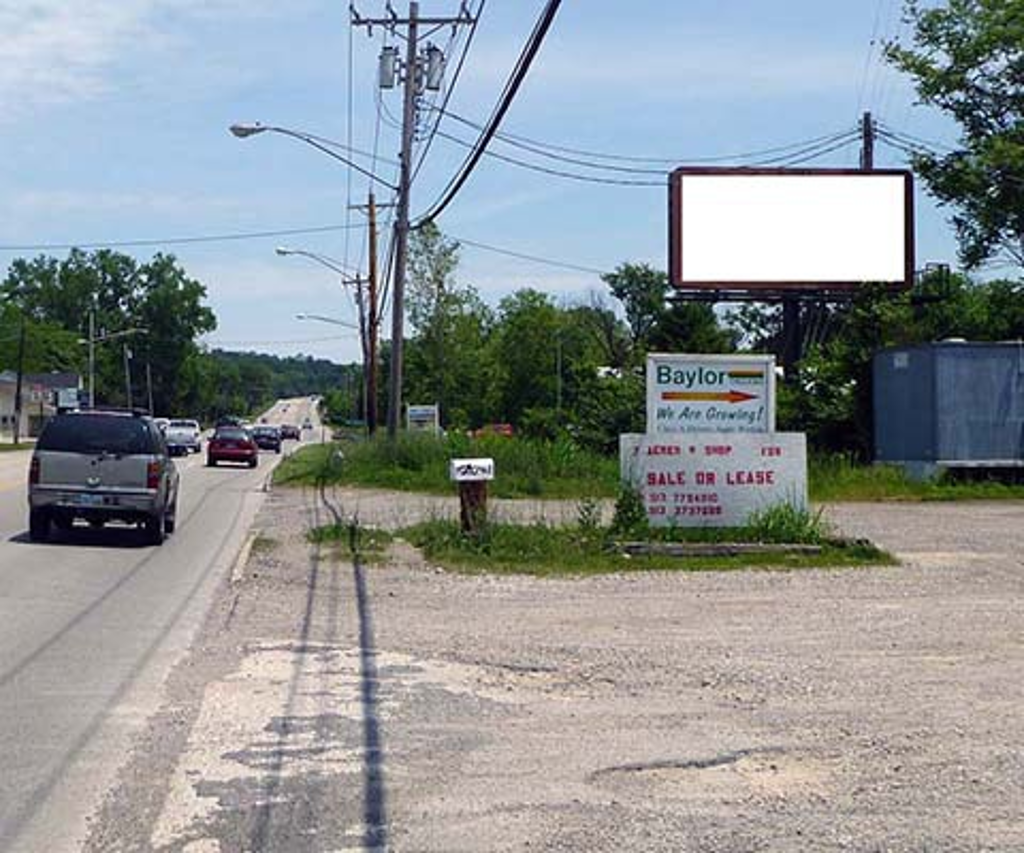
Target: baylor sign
710 393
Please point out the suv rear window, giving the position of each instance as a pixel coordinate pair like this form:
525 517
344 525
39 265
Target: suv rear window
232 434
96 434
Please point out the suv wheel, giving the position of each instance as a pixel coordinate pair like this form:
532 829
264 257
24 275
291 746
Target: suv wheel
171 519
38 525
156 528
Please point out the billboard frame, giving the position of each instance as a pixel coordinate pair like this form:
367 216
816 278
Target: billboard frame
776 289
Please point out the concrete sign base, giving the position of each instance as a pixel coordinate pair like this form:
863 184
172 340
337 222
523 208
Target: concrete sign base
715 480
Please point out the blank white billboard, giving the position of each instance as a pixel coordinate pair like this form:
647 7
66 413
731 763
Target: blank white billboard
777 228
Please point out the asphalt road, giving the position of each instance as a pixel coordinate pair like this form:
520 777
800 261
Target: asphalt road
90 625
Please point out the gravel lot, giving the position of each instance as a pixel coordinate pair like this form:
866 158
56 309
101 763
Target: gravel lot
336 707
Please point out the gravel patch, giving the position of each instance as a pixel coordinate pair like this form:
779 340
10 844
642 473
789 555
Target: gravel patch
335 706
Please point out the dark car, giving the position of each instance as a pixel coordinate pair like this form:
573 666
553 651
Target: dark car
232 444
290 431
100 466
267 437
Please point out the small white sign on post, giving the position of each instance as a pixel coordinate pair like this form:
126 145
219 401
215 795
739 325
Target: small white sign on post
423 419
711 480
471 470
710 393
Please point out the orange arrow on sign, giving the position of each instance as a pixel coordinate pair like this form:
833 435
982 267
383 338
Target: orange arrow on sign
708 396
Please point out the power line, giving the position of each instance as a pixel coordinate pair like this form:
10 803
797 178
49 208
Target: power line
278 343
522 255
441 111
168 241
561 173
516 79
545 149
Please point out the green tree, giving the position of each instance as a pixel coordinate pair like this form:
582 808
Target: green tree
446 359
655 324
966 58
643 292
526 348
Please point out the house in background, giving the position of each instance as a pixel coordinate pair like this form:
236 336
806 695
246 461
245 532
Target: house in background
38 400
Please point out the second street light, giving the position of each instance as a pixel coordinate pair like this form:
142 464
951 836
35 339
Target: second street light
368 324
336 322
94 339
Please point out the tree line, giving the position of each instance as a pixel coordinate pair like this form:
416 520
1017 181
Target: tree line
555 368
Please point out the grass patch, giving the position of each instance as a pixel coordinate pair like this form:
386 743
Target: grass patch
24 445
263 544
365 543
560 469
547 551
838 478
417 463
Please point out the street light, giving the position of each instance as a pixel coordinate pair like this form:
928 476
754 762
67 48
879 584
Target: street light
244 131
336 322
368 324
304 316
94 339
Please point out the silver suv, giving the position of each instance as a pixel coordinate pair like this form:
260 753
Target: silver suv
101 466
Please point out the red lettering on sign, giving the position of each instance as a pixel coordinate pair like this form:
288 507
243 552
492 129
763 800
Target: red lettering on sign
664 450
666 478
717 449
750 478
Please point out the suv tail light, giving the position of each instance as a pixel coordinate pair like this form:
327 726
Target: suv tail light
153 475
33 472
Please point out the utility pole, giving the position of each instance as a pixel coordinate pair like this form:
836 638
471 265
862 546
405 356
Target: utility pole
867 145
149 386
17 387
420 72
373 309
92 358
127 374
402 230
371 344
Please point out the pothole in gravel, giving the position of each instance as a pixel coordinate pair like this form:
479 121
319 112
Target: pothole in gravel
768 771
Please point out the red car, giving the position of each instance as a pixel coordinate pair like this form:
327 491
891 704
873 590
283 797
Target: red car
232 444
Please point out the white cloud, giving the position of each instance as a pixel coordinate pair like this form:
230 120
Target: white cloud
63 51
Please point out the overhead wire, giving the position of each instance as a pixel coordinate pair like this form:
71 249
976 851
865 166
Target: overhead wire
449 89
161 241
526 257
550 150
811 152
508 95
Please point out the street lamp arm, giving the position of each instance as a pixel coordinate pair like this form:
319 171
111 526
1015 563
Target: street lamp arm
243 131
99 339
324 260
324 319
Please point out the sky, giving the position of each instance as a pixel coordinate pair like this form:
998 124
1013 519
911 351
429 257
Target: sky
114 133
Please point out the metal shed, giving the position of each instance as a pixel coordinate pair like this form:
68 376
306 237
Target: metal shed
950 404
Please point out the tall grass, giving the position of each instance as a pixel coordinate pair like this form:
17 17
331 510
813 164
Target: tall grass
837 477
523 468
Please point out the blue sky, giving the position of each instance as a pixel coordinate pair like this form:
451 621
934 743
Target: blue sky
116 112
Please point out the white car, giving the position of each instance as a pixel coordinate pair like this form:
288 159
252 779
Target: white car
183 436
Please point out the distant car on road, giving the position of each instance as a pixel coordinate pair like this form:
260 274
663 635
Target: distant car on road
232 444
228 420
307 424
267 437
101 466
183 436
290 431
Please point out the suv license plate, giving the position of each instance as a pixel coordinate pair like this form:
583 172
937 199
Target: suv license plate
89 500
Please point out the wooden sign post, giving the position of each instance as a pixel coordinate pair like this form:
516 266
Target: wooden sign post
472 476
